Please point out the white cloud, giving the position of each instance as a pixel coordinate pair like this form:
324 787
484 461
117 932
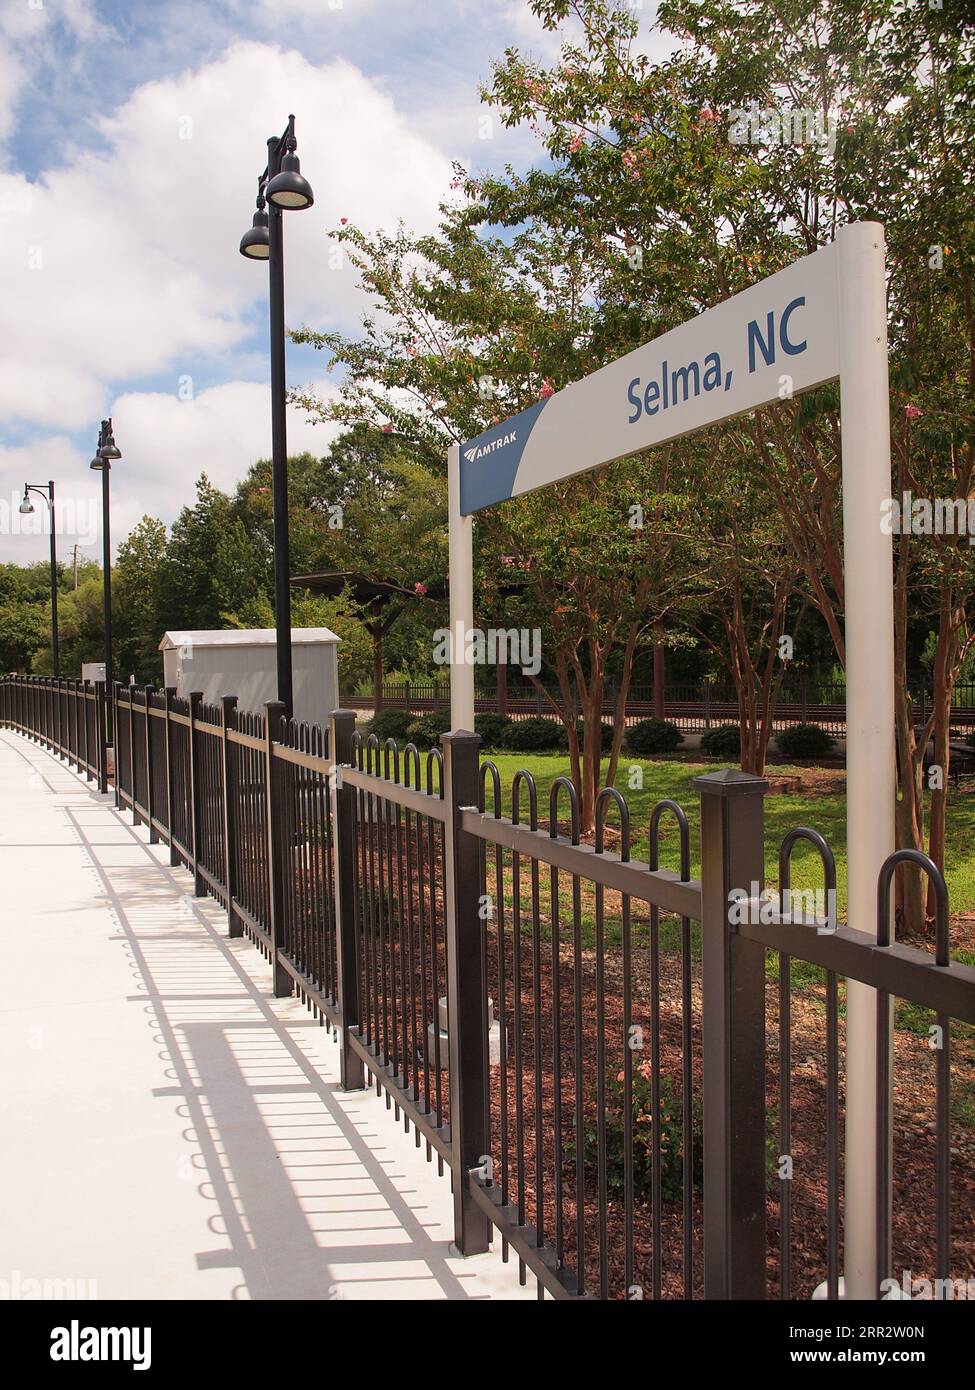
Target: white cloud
122 265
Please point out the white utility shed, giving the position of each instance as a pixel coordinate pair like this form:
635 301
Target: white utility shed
243 662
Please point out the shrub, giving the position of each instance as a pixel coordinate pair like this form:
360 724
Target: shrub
804 741
425 732
390 723
605 737
491 728
671 1137
535 735
722 742
653 736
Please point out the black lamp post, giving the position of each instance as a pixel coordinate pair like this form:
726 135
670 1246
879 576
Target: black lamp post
105 454
281 187
26 507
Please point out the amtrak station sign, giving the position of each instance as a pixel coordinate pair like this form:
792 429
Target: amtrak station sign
773 340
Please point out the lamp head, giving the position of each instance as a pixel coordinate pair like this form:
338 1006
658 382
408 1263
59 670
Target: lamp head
107 449
254 244
288 189
26 506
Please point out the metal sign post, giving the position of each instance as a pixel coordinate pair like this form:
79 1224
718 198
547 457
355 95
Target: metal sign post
822 318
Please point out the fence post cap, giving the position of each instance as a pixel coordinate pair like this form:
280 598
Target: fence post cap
731 781
459 737
345 714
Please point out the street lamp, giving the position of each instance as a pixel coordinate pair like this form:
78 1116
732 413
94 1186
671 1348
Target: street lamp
26 508
280 187
105 454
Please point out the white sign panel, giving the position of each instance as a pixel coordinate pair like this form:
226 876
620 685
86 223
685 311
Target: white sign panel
776 338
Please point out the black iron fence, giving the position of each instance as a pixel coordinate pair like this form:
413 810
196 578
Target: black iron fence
635 1077
694 706
70 717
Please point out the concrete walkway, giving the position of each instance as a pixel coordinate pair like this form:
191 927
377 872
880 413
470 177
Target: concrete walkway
170 1130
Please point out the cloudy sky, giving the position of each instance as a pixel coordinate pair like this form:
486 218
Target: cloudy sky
131 136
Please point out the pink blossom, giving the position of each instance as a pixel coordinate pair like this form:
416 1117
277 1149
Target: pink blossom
547 390
387 429
576 143
344 221
419 588
912 412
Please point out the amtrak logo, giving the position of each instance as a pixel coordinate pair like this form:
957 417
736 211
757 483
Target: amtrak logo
477 451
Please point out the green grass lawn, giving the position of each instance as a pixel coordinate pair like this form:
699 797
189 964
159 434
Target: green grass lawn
674 778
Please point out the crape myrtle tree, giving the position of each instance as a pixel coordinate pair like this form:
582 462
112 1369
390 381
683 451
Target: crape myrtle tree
468 329
901 76
641 158
742 556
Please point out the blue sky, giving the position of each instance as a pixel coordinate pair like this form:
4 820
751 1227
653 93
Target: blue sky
131 135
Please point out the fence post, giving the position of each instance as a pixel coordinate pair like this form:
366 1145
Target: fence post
346 946
72 698
466 991
706 700
173 852
136 818
84 715
100 717
196 803
228 753
273 712
733 1036
116 690
150 799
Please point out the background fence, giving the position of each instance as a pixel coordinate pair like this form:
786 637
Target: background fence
693 706
624 1077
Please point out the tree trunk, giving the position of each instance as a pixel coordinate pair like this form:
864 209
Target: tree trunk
948 660
619 713
659 672
909 811
377 668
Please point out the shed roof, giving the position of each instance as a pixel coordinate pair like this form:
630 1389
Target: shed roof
244 637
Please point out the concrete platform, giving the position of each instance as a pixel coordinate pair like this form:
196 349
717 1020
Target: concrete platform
170 1130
